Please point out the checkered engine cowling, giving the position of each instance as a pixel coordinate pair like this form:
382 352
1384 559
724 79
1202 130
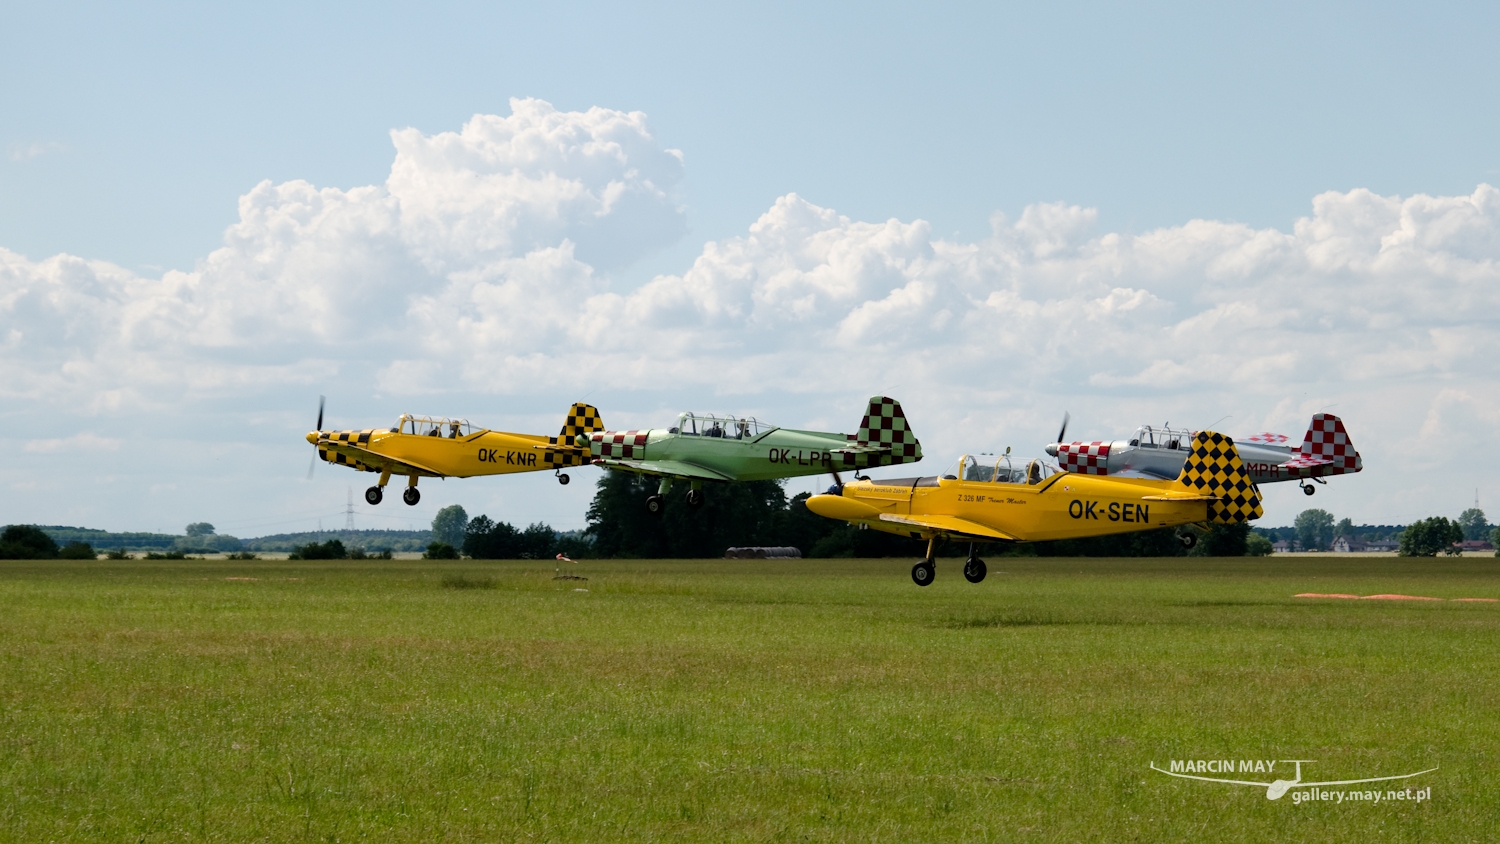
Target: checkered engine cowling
1084 458
1213 467
618 445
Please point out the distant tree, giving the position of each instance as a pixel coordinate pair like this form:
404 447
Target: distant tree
330 550
440 551
1257 546
1474 524
76 551
1495 540
1224 541
449 524
200 529
1314 529
1345 527
732 514
26 542
1430 537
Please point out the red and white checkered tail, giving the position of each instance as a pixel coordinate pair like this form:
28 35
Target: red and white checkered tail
1328 444
884 425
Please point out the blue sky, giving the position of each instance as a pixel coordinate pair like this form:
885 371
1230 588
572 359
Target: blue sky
130 135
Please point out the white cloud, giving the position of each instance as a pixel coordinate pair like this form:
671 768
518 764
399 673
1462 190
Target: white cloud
492 261
76 443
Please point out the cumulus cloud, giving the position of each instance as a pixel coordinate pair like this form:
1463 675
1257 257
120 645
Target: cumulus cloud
505 247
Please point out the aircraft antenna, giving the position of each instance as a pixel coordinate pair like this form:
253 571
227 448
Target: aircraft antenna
349 512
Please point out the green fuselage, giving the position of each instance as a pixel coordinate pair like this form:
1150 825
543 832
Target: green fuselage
778 453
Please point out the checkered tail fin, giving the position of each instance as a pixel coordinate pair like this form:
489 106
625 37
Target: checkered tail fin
582 419
1327 439
884 425
1213 467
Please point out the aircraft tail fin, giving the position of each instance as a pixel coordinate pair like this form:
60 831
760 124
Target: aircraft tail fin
1213 467
1327 444
582 419
884 429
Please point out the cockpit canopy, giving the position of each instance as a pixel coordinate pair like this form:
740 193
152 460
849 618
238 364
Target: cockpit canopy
1147 436
433 426
998 469
727 427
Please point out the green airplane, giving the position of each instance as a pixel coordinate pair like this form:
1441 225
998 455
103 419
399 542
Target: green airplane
706 447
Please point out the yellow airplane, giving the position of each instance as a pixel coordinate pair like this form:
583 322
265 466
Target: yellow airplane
982 502
424 446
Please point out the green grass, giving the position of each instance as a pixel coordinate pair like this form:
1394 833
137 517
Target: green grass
737 700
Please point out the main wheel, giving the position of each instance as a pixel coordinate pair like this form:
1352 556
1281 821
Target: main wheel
373 495
1188 540
922 573
695 498
975 570
655 504
1308 490
411 496
562 478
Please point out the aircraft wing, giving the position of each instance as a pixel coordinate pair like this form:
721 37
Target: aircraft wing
948 524
665 468
348 454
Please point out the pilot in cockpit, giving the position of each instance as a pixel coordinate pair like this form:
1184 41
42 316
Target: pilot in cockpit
742 429
452 430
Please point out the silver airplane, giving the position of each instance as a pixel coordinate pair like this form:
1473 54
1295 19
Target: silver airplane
1270 458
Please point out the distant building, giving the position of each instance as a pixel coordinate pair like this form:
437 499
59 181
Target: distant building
1474 545
1379 545
1350 545
1281 546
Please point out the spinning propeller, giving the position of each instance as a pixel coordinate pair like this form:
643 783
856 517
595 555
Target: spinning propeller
313 464
1062 432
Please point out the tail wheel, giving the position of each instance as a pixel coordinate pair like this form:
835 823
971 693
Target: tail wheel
411 496
562 478
655 504
1188 540
975 570
923 573
695 498
373 495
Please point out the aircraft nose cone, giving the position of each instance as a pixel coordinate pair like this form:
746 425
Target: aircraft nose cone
839 507
1052 449
312 437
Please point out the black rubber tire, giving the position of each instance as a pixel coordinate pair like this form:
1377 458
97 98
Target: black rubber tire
411 496
655 505
1188 540
695 498
923 573
975 570
563 479
374 495
1308 490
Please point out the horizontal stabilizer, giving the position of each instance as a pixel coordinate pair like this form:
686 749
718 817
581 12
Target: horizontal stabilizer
951 525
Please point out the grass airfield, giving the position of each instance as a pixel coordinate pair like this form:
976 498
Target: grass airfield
810 700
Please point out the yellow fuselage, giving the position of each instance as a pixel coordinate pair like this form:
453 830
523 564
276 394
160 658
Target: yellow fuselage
481 453
1064 506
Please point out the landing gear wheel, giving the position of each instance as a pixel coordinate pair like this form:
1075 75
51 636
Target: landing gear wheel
975 570
1308 489
562 478
655 504
922 573
411 496
1188 540
695 498
373 495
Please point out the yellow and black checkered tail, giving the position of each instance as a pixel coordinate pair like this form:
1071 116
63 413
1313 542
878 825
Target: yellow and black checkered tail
1213 467
582 419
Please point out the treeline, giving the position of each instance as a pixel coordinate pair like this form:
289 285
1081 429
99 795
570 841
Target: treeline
1316 530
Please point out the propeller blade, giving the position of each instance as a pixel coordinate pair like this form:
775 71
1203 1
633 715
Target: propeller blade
1064 431
311 465
320 412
